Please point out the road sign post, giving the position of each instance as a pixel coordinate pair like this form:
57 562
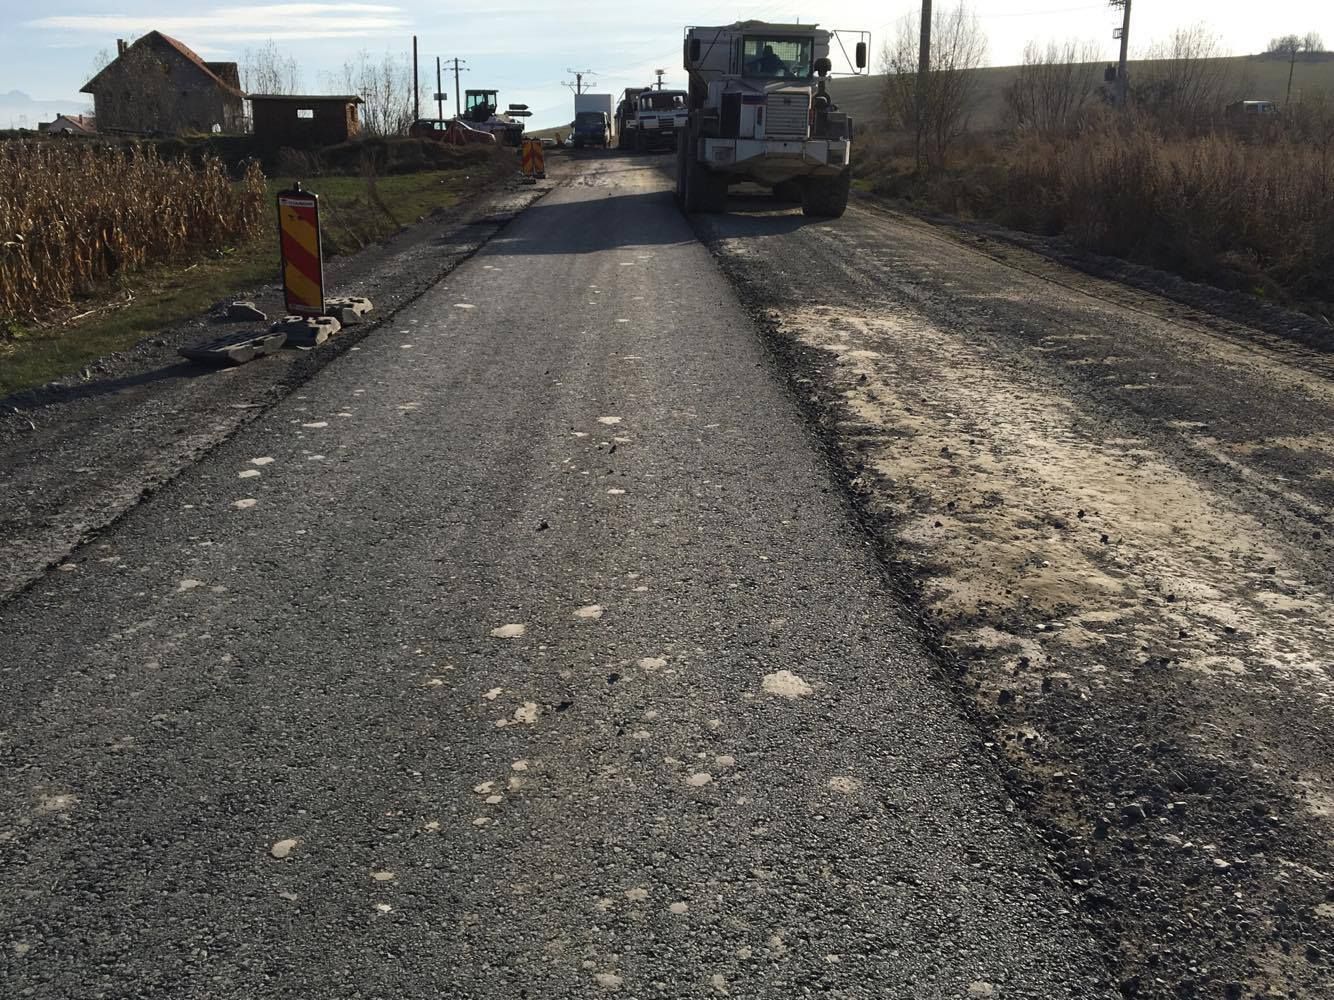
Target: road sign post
301 252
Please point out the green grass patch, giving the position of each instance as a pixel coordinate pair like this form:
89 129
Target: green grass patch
355 212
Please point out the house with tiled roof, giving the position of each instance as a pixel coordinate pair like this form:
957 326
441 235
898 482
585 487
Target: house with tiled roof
69 125
157 85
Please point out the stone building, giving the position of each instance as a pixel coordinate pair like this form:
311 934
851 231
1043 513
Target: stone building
159 86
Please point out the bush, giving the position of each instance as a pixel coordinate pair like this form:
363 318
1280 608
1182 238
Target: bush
1217 207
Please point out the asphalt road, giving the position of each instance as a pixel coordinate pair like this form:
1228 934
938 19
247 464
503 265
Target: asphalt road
535 636
76 454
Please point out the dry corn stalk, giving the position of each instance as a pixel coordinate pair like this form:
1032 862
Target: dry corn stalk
73 216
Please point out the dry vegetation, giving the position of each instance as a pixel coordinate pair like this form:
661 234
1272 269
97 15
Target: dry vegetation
73 217
1171 181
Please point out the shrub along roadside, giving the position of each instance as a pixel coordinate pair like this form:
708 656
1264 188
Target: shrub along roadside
1257 217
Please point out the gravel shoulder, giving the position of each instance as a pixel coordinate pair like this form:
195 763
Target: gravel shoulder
76 454
1112 512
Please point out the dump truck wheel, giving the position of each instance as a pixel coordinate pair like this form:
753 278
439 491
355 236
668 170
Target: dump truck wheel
826 197
788 191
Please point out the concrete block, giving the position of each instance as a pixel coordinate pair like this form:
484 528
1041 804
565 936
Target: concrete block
348 310
235 348
307 331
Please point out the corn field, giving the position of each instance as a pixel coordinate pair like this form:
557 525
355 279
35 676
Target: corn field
72 217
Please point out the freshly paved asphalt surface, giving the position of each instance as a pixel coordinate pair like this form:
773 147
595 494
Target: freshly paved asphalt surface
715 762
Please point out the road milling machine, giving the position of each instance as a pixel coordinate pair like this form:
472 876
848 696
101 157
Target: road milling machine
760 111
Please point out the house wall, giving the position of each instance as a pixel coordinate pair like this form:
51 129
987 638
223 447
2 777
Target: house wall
152 87
276 123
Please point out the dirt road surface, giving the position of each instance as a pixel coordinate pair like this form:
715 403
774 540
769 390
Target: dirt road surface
1113 514
529 650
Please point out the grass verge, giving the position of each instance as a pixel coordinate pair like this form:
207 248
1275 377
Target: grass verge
357 211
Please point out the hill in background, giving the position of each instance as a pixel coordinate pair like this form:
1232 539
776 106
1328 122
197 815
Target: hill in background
1259 78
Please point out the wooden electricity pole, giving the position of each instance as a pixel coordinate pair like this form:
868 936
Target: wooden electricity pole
923 78
458 98
1122 80
416 97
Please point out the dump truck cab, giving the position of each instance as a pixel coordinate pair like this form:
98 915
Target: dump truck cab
760 111
659 114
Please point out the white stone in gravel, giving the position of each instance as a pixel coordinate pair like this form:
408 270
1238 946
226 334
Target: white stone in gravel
245 503
526 713
589 611
699 779
247 474
509 631
786 684
283 848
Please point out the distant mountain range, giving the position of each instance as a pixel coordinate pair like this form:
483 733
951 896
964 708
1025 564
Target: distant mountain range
19 110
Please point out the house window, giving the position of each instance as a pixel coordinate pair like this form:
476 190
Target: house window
305 112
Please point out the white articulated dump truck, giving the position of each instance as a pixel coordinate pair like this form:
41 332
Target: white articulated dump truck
760 112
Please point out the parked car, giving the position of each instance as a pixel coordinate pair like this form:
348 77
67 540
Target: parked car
449 130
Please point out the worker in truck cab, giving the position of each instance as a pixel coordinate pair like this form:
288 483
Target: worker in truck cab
768 64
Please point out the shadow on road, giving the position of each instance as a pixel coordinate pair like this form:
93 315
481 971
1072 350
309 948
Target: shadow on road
53 393
646 218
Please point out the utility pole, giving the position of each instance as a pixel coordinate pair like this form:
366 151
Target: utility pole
458 97
439 94
1122 80
578 85
923 77
416 97
660 73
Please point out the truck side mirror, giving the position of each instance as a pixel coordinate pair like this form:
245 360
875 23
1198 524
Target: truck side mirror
694 51
861 55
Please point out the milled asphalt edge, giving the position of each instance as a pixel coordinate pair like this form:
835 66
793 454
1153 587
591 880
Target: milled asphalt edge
299 372
790 364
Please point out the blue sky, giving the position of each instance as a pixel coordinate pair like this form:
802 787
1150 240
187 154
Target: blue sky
525 47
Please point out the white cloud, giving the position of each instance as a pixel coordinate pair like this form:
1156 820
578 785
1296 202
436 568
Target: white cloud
246 23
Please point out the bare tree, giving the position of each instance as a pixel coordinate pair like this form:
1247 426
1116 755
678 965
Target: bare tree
1312 43
386 88
266 70
950 88
1054 85
1185 78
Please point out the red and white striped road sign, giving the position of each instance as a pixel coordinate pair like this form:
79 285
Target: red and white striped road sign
301 251
534 159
